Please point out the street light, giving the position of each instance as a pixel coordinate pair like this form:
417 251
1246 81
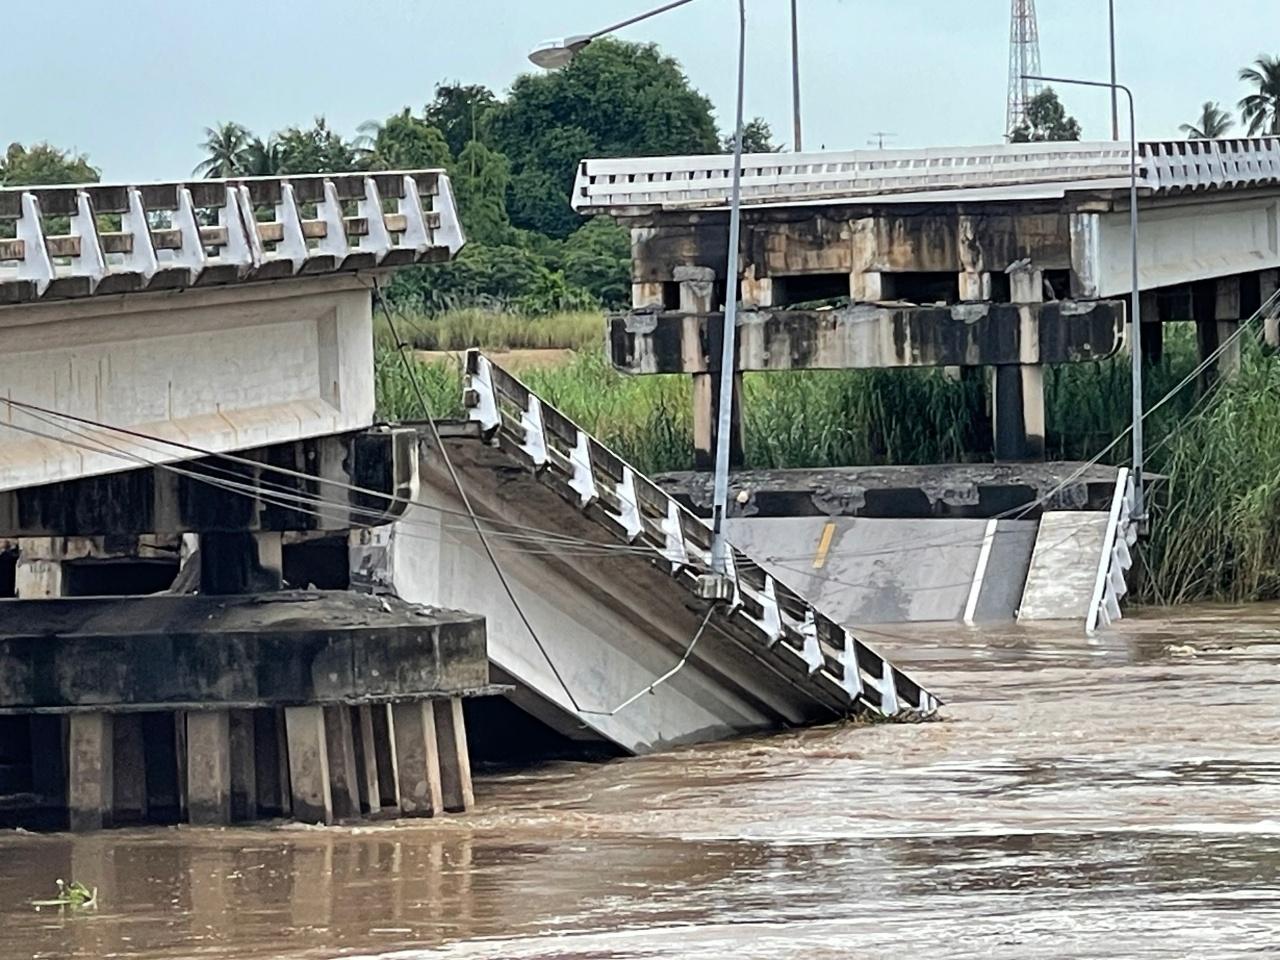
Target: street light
555 55
1135 321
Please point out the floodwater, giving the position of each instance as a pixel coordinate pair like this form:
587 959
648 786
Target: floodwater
1114 798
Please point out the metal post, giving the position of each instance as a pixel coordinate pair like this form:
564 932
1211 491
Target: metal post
1139 505
1115 110
797 145
1135 319
719 549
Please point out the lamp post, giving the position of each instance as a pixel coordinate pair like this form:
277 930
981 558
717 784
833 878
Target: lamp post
1135 298
1111 33
795 81
554 55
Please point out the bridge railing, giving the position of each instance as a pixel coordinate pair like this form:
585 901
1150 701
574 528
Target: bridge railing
776 624
693 181
1177 165
83 239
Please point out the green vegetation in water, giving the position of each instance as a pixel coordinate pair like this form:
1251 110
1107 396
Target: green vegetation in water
71 896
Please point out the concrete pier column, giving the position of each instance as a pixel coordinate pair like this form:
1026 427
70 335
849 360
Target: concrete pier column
38 573
164 794
1268 282
129 773
1227 317
1017 391
697 297
90 768
49 758
384 752
366 757
455 759
417 759
244 766
1017 399
309 764
1152 328
271 762
209 767
866 286
343 778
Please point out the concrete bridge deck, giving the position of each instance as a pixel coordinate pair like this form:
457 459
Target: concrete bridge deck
617 606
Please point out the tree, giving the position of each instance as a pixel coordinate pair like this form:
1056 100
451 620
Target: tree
1260 111
756 138
1212 122
224 147
480 177
262 158
597 258
614 99
461 113
314 150
1046 120
41 164
403 142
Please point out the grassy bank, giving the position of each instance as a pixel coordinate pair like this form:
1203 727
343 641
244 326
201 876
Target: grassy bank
1216 533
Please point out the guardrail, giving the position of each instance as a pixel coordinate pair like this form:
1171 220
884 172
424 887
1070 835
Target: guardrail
85 239
693 181
1115 558
773 622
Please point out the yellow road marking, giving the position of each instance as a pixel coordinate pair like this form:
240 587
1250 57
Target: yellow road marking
820 558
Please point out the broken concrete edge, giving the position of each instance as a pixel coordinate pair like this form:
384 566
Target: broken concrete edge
839 669
960 490
366 477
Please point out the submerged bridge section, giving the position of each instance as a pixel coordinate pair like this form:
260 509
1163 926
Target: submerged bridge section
611 596
992 262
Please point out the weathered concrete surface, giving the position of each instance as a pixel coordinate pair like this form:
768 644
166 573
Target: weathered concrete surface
286 648
871 336
958 490
223 368
183 497
869 571
611 624
1064 566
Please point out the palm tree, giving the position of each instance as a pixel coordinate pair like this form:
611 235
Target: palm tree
1212 122
261 158
224 146
1261 110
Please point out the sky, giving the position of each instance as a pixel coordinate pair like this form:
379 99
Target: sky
133 83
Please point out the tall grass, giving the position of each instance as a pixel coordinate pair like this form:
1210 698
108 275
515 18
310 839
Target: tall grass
1216 527
1215 534
495 330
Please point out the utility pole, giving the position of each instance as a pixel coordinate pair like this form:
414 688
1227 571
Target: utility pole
1115 105
796 141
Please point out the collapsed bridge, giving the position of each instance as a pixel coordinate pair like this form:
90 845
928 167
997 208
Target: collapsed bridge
188 411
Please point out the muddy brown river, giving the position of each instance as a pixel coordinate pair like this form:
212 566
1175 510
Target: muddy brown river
1112 798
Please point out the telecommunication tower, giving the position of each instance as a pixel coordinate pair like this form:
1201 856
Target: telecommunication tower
1024 58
